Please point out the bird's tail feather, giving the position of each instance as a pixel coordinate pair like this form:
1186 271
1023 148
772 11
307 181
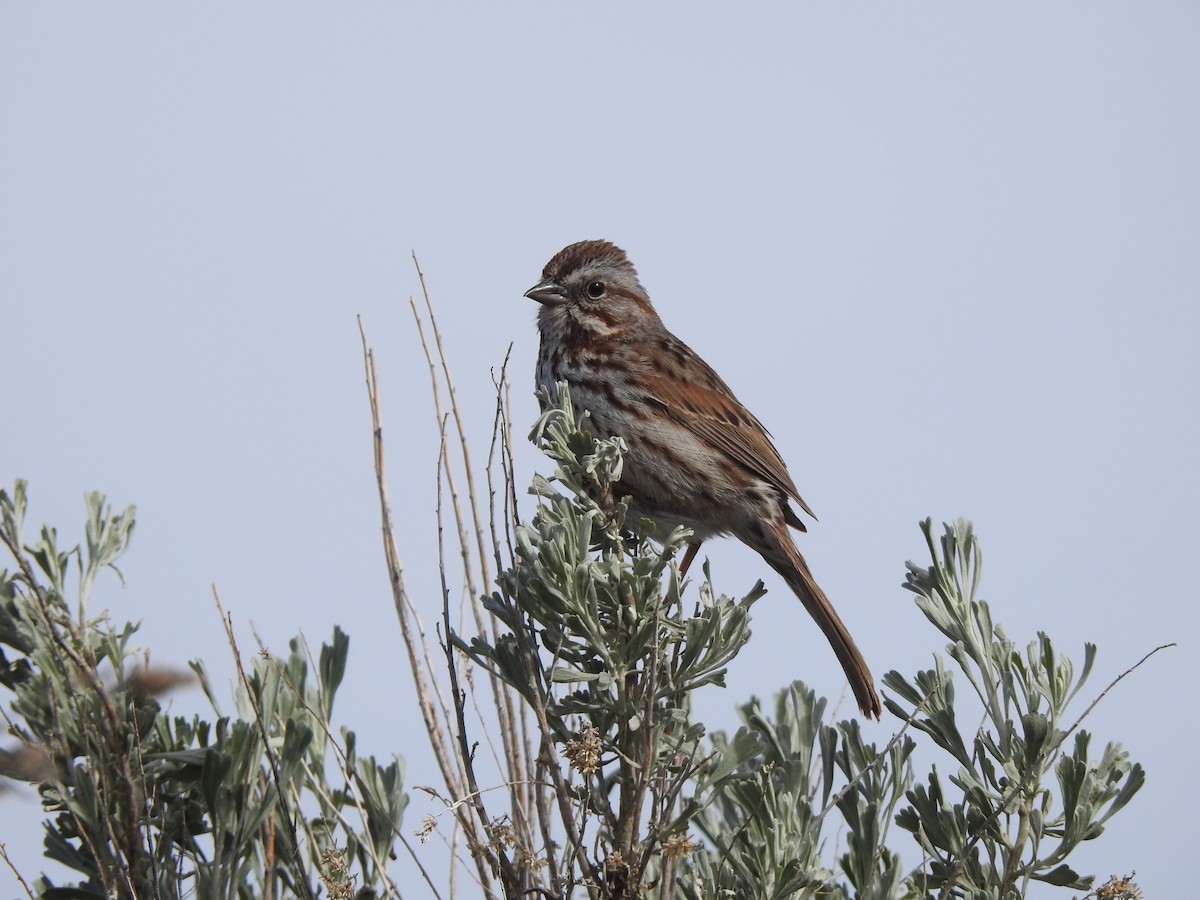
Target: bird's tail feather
781 555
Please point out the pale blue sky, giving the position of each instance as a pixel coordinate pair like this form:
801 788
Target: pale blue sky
946 252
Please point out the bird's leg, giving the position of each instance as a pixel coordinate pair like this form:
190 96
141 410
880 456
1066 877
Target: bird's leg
692 549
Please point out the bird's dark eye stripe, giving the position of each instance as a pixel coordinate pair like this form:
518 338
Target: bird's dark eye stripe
595 289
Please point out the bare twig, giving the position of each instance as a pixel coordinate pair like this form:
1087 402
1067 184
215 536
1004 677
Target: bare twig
437 717
514 758
492 850
405 612
458 425
512 755
513 725
1112 684
439 412
8 862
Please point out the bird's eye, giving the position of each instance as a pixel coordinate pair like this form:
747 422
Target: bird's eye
595 290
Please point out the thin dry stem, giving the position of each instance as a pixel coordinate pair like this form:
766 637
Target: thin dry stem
512 722
503 710
468 468
439 412
416 645
489 850
436 718
472 592
8 862
458 426
514 759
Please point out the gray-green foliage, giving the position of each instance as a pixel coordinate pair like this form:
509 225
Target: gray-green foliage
1018 802
143 804
770 822
599 645
1015 807
621 793
605 647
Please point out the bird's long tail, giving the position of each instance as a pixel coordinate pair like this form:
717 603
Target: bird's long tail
775 544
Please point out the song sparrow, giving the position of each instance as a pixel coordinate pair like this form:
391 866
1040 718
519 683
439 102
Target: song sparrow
696 456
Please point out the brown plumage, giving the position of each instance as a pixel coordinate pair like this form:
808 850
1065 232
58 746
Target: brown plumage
697 456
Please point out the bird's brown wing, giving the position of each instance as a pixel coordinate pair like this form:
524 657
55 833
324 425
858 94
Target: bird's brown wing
707 408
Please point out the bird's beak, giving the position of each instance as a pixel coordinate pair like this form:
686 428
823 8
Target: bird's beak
547 291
